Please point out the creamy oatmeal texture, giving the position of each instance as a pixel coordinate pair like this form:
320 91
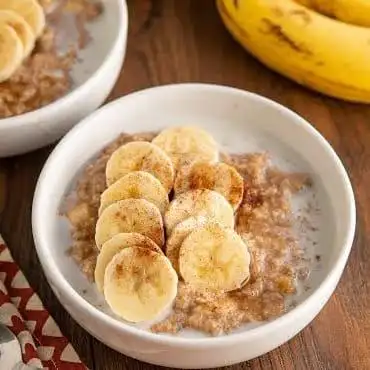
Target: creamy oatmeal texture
44 76
264 220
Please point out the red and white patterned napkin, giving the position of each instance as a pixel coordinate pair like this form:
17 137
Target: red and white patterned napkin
43 345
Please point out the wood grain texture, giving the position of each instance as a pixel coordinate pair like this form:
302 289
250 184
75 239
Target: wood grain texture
182 41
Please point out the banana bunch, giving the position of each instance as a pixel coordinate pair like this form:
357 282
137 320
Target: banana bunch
138 280
21 23
298 39
348 11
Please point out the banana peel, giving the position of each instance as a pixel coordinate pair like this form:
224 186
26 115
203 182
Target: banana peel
349 11
303 45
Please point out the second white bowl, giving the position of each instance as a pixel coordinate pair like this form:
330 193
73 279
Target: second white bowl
94 77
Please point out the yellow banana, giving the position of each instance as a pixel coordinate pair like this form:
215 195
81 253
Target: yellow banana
30 10
11 51
316 51
348 11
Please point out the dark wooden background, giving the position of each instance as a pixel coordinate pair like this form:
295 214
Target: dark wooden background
182 41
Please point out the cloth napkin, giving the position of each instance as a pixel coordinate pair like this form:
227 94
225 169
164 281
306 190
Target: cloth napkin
43 345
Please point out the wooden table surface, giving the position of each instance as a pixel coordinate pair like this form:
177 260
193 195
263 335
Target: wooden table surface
182 41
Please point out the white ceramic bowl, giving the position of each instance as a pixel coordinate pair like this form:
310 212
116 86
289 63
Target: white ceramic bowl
241 122
93 79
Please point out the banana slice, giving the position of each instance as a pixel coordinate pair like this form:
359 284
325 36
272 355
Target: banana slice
178 235
140 156
130 215
214 257
180 160
219 177
21 27
11 52
187 143
30 10
115 245
200 202
138 185
139 284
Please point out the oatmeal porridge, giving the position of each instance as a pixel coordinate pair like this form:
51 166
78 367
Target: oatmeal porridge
44 75
263 221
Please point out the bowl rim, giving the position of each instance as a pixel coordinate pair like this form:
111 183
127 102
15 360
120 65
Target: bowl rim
32 116
320 294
